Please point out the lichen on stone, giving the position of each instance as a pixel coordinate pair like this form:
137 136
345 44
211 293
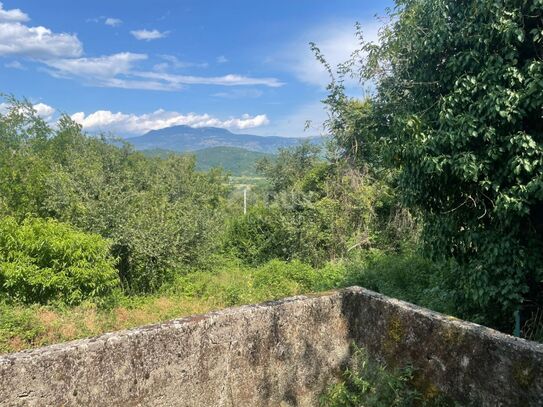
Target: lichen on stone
523 373
395 333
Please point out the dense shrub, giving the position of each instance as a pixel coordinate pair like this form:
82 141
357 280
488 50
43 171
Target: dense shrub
45 260
236 283
369 383
278 279
159 214
257 236
406 276
319 213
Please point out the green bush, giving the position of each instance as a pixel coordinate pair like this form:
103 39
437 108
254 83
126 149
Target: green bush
277 278
406 276
234 283
46 260
370 384
257 237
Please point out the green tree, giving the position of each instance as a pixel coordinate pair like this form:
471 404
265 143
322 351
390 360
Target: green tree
160 214
289 164
458 99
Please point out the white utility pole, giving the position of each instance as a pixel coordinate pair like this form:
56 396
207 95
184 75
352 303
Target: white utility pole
245 201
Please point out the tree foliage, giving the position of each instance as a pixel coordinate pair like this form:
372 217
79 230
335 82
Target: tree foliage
318 210
159 214
458 99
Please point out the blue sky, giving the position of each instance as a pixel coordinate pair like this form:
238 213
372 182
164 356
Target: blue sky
131 66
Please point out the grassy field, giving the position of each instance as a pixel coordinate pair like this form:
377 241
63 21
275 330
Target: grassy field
29 326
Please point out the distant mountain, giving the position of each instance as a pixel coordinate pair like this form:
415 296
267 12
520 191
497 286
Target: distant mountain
185 138
237 161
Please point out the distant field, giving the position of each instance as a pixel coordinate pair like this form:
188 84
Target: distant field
247 182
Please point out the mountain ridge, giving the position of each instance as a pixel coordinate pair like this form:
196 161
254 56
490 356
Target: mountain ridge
184 138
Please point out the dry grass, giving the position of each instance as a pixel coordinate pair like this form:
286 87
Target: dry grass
52 326
30 326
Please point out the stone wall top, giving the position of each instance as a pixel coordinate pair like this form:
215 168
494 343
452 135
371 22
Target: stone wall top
277 353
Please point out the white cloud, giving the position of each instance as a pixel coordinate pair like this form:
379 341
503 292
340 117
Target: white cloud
61 53
225 80
123 83
105 120
113 22
14 15
222 59
103 67
45 111
118 71
239 94
111 71
336 41
37 42
148 35
15 65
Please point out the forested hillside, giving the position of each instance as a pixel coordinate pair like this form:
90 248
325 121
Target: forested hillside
430 190
235 161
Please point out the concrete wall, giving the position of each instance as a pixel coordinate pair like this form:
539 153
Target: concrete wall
275 354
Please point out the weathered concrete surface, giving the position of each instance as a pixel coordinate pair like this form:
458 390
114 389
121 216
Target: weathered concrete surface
279 353
468 362
275 354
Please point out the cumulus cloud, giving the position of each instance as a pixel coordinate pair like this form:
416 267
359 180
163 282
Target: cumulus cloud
105 120
148 35
43 110
113 22
34 42
222 59
61 53
37 42
14 15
